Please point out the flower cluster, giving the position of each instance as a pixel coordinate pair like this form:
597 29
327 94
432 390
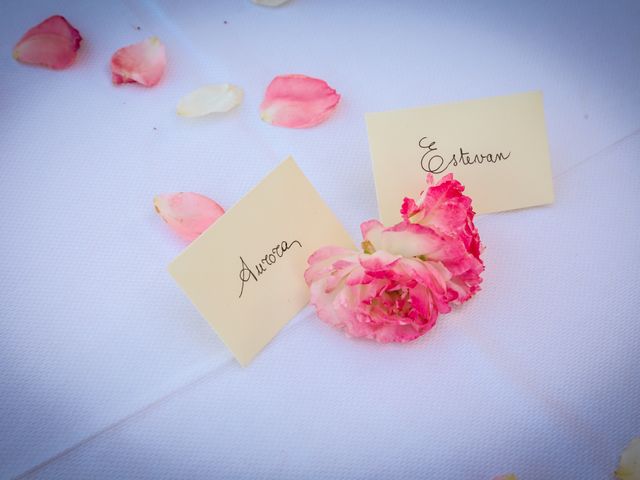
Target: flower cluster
407 274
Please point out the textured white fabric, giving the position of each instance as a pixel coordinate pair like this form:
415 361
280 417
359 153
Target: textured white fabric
107 371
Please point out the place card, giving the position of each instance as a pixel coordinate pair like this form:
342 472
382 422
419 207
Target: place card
245 274
496 147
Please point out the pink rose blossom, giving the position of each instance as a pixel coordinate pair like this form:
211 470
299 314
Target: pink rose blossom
394 291
406 276
53 43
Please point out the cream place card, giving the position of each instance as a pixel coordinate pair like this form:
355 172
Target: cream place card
497 147
245 274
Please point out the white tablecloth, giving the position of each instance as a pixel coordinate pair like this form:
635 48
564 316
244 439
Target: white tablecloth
106 369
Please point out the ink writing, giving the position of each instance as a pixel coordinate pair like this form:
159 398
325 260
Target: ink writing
248 274
432 162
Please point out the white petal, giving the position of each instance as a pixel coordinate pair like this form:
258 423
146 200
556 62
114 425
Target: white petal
210 99
270 3
629 467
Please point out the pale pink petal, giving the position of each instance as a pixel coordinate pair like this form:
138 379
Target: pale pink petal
371 229
270 3
298 101
412 240
380 262
210 99
54 43
142 63
188 214
328 252
323 262
629 466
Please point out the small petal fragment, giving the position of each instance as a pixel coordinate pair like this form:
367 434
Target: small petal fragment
54 43
142 63
187 213
210 99
298 101
629 466
270 3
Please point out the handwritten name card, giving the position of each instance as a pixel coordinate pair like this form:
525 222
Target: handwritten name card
497 147
245 273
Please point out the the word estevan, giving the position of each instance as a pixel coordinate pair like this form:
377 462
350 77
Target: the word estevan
248 274
435 163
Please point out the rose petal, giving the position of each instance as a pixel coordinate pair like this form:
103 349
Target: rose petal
142 63
629 466
298 101
444 207
187 213
54 43
210 99
270 3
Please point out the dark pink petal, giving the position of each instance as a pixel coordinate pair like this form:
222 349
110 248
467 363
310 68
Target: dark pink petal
298 101
54 43
187 213
142 63
444 207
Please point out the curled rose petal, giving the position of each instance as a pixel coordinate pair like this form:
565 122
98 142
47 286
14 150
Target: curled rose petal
187 213
629 466
270 3
210 99
54 43
298 101
142 63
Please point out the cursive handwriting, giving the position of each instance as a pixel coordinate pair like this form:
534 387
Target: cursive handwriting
435 163
247 274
